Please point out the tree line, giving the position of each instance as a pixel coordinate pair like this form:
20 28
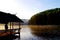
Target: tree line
47 17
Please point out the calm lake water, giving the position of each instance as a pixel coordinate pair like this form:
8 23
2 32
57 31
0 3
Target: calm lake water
26 34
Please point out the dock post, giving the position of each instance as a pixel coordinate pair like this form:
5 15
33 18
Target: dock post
19 31
12 26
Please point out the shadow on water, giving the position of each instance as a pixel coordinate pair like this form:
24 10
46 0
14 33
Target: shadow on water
46 32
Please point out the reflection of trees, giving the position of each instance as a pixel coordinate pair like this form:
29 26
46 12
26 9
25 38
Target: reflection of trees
45 30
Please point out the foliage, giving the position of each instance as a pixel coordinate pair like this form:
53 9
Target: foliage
48 23
48 17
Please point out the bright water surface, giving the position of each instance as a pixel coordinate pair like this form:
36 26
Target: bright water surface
25 34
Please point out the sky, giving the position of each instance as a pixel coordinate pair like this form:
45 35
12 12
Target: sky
25 9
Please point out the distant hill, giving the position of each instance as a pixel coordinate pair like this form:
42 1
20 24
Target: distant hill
47 17
25 21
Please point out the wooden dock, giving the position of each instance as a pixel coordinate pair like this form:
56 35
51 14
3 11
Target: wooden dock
10 32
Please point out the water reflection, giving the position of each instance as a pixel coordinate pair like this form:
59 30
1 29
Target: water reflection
27 33
32 32
45 30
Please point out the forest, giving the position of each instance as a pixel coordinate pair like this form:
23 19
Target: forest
47 17
46 23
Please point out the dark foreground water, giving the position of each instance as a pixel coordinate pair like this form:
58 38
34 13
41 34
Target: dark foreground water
27 35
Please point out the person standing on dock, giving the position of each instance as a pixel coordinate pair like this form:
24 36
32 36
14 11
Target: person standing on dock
6 27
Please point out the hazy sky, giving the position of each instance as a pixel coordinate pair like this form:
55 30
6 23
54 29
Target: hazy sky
26 8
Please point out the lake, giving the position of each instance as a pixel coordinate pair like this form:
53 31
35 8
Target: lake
26 33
